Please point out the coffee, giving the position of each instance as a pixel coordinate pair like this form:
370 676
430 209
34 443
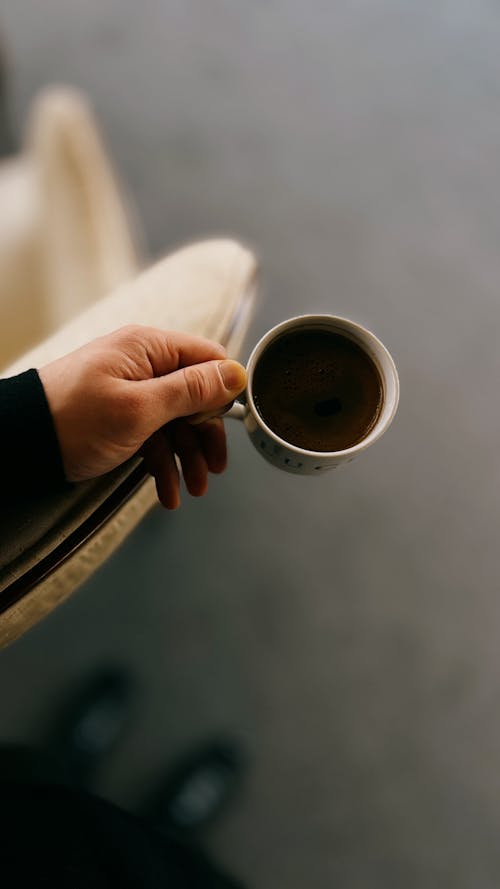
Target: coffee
318 390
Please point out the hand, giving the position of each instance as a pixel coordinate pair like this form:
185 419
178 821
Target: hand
130 392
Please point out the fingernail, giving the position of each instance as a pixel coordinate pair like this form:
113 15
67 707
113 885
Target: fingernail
234 375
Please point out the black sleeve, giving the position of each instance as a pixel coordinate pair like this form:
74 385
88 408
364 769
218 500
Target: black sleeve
30 458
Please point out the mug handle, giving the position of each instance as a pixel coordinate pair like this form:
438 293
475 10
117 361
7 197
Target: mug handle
237 412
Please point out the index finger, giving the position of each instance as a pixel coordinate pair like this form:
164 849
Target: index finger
169 350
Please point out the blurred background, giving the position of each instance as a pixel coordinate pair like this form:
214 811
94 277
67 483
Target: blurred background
345 629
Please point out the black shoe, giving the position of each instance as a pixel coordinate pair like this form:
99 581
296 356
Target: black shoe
90 724
197 788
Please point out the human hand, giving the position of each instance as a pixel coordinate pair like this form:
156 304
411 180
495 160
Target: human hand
131 391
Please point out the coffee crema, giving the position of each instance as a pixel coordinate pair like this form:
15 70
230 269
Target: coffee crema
318 390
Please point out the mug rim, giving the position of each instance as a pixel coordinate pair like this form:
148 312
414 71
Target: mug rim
386 373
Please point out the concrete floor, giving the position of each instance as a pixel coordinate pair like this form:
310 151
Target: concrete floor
347 630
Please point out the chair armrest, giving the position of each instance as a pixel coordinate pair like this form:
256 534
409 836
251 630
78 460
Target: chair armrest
50 545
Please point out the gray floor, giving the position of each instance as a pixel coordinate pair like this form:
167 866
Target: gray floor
348 630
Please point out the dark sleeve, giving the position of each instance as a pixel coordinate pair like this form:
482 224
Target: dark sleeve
30 458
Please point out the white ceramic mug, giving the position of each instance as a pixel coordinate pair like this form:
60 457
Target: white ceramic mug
289 457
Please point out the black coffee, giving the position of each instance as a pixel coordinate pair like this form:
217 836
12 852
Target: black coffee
317 390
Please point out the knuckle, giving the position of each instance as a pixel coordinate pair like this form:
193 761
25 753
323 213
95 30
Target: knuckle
130 330
129 333
197 386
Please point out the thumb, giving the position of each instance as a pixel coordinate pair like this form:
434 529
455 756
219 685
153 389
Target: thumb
199 387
